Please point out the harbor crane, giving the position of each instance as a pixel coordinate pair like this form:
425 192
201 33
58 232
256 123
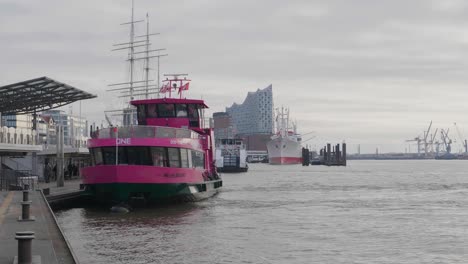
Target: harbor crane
436 143
418 141
426 134
447 141
424 141
463 141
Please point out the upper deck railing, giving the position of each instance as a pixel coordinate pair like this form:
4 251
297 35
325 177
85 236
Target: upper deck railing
9 135
144 132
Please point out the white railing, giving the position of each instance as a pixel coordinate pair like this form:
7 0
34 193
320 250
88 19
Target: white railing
144 132
9 135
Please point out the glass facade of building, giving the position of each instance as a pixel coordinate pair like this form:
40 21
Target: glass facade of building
255 114
75 129
17 121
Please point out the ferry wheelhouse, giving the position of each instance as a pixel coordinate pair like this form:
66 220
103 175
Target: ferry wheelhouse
168 156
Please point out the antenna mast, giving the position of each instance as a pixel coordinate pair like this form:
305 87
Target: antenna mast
132 50
147 55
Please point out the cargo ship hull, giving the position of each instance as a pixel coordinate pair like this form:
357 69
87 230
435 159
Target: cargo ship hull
282 151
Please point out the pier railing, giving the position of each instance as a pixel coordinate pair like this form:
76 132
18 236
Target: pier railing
9 135
144 132
17 179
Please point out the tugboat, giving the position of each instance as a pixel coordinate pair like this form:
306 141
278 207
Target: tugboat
167 157
231 155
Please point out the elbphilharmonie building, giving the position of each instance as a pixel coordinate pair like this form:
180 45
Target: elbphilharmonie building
255 114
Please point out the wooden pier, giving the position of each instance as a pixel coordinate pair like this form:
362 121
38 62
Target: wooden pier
328 156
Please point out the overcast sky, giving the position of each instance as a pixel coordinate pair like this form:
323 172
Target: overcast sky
368 72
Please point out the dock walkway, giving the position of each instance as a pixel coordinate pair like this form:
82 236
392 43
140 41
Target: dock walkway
49 243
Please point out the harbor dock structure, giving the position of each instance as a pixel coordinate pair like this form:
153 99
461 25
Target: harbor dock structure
327 156
48 245
29 232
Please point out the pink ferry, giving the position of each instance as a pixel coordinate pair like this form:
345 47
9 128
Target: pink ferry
167 157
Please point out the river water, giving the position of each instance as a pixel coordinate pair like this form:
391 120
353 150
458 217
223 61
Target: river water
367 212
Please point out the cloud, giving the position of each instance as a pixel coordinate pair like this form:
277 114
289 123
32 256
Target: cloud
369 72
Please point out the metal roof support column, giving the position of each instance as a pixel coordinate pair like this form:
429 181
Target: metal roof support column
60 156
34 166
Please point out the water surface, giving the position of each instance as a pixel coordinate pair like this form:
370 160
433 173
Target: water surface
368 212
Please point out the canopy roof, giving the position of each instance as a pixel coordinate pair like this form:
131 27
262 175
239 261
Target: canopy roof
38 94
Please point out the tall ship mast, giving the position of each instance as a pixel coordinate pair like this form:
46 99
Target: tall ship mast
166 154
285 145
139 51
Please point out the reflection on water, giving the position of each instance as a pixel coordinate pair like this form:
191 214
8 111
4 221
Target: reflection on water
368 212
137 237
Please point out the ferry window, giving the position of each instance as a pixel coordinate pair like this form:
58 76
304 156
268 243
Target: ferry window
198 160
108 155
141 112
166 110
138 155
181 110
97 154
184 158
159 157
192 111
174 158
91 154
122 155
189 156
152 111
131 155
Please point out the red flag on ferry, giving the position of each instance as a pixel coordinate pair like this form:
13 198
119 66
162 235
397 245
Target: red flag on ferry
184 87
165 88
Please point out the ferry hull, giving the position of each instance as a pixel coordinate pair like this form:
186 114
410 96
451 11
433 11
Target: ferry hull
148 184
114 193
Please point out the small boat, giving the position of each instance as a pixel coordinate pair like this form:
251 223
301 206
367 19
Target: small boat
231 155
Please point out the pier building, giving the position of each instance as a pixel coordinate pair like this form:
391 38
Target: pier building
75 128
23 140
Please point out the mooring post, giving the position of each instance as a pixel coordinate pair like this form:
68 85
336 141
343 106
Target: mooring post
337 148
24 246
25 210
344 154
26 193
